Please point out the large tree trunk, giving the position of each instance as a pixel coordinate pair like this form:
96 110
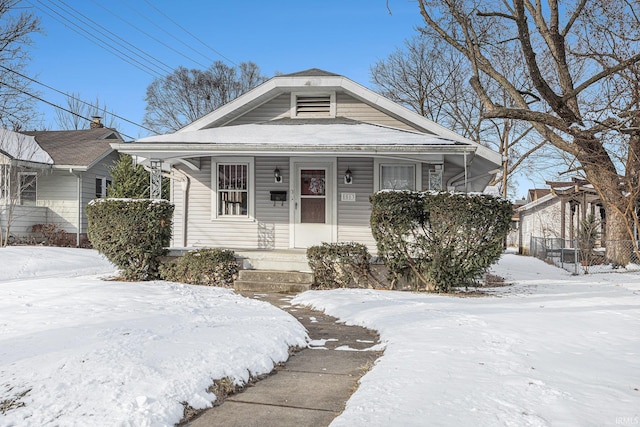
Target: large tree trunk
619 243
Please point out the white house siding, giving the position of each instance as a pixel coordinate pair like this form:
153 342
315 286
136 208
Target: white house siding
273 218
541 220
270 230
346 106
278 107
99 170
354 216
350 107
23 218
58 192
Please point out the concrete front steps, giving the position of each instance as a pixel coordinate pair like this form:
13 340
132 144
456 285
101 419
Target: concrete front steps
273 281
281 260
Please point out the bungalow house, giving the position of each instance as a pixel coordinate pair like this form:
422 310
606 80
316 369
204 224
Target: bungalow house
48 177
555 215
292 163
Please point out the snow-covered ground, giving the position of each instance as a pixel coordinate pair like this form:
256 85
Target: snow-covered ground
553 349
88 352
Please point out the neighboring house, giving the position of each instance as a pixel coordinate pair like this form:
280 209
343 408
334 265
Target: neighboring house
48 177
557 212
292 163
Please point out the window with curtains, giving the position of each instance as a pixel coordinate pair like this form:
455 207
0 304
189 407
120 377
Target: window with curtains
233 189
397 177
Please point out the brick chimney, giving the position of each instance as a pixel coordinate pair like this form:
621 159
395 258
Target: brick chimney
95 122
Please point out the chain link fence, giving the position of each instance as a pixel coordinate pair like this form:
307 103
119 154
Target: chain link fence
586 257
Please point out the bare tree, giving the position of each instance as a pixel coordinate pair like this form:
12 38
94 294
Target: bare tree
432 78
582 59
188 94
79 112
16 107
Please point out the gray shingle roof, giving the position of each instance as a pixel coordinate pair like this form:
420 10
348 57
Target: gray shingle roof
311 72
76 147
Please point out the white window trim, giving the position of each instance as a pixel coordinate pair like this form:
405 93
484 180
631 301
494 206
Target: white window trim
377 168
332 104
20 175
250 162
104 180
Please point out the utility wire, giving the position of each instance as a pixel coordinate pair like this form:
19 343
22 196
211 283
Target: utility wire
76 99
170 34
55 105
188 32
150 35
123 56
144 54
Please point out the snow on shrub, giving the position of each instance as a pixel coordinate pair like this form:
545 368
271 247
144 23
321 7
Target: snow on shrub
340 265
210 267
439 240
131 233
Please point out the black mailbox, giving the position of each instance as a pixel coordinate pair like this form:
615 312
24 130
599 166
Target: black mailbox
278 196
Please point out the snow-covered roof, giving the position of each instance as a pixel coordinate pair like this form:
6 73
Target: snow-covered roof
299 133
22 147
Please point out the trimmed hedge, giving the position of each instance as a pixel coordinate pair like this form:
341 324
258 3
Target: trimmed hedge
209 267
340 265
439 240
131 233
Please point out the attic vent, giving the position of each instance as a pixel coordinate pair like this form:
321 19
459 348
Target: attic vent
313 106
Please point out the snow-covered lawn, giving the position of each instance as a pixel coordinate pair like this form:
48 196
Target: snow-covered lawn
89 352
553 349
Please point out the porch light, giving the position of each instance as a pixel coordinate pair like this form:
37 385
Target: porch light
276 175
348 178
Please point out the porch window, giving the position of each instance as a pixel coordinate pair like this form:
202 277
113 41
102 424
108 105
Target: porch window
397 177
233 189
28 188
4 183
435 178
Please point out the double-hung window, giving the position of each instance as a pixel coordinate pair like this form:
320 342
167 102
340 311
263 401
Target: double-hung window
233 185
101 187
28 188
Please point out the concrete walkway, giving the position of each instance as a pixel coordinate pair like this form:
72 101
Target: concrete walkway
311 389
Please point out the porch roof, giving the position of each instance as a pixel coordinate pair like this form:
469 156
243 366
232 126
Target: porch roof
295 136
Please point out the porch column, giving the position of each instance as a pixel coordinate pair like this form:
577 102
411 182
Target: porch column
563 219
155 187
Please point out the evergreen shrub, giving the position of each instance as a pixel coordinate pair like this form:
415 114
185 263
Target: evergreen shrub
340 265
210 267
439 240
132 233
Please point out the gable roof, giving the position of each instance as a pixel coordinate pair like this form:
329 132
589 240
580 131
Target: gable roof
80 148
311 72
319 80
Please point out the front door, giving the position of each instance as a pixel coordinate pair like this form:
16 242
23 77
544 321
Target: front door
312 204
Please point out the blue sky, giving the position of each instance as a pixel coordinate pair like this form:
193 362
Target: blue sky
341 36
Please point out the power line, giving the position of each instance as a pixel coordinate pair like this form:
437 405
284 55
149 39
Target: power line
188 32
163 64
75 99
54 105
114 51
149 35
170 34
